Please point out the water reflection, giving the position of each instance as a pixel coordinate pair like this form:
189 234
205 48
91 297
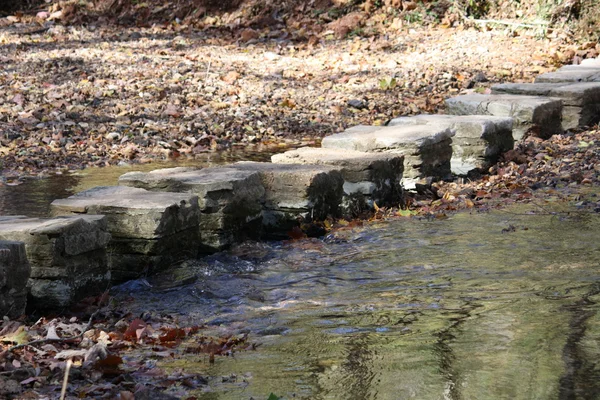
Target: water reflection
34 195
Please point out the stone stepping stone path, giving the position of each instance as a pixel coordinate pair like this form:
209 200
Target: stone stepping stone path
533 115
427 149
67 255
581 101
153 220
229 199
589 72
150 230
368 177
478 140
296 192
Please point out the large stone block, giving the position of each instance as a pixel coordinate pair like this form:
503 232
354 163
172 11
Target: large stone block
571 75
478 140
581 101
590 62
427 149
160 220
296 192
533 115
368 177
133 212
14 275
229 199
65 252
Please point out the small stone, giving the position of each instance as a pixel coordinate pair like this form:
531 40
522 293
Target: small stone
358 104
113 136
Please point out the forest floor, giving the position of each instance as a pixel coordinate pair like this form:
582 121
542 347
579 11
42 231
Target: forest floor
80 95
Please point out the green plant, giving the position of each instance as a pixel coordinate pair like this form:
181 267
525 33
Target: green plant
477 8
413 17
388 83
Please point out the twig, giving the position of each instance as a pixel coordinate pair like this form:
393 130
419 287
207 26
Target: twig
62 340
208 69
509 23
63 392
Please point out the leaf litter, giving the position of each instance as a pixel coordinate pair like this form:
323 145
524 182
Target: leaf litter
114 355
82 92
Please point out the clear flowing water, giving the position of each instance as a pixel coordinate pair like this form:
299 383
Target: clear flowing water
464 308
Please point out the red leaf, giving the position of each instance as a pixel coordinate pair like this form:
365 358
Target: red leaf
172 335
131 332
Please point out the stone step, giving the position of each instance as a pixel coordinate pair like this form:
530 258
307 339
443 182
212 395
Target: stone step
581 101
478 140
14 275
570 74
296 192
590 62
230 200
427 149
368 177
67 254
135 216
533 115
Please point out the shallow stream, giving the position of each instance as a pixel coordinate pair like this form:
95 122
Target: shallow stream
498 305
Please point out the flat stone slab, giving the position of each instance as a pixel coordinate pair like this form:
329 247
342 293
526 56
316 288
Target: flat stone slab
581 101
533 115
427 149
67 254
570 75
368 177
136 216
230 200
590 62
478 141
133 212
582 68
14 275
294 191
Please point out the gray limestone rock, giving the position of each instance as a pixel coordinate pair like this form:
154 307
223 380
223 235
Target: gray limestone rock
14 274
368 177
149 221
296 192
427 149
571 75
533 115
581 101
581 67
478 140
590 62
133 212
229 199
65 252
